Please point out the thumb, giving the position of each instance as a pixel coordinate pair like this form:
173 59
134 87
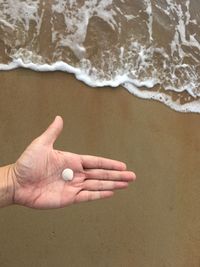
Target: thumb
52 132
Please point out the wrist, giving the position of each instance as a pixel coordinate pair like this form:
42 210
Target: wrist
7 185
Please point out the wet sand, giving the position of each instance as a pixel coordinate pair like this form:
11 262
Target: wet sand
155 223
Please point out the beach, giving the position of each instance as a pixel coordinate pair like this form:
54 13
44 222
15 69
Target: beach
115 71
155 222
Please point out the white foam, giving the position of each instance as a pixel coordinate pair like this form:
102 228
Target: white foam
17 11
149 12
77 18
163 98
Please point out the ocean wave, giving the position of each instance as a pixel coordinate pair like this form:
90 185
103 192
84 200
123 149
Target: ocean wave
151 48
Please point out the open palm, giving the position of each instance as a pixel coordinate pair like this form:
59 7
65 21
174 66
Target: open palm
38 181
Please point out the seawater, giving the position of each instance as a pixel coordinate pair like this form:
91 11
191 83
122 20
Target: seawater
150 47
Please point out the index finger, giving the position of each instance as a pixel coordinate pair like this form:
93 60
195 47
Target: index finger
92 162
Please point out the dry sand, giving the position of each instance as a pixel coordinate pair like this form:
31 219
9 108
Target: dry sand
155 223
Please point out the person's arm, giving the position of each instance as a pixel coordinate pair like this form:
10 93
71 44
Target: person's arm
36 181
6 186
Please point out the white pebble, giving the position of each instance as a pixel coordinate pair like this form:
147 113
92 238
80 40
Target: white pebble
68 175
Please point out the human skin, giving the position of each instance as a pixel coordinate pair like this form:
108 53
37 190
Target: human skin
35 179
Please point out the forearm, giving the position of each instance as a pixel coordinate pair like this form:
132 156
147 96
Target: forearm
6 186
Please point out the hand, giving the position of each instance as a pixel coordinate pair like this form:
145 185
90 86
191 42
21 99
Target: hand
37 174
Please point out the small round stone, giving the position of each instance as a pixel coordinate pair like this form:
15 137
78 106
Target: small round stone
68 175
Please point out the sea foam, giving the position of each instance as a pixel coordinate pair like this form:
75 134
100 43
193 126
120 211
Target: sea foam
151 48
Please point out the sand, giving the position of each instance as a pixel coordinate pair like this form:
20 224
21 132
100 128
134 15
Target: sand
156 222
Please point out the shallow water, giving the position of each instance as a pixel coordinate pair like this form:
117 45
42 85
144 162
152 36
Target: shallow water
150 47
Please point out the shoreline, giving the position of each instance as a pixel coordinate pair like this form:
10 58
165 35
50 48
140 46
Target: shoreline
131 85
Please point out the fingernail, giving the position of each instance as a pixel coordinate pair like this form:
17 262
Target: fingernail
123 166
133 176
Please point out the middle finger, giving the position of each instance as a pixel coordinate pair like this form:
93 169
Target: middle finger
109 175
